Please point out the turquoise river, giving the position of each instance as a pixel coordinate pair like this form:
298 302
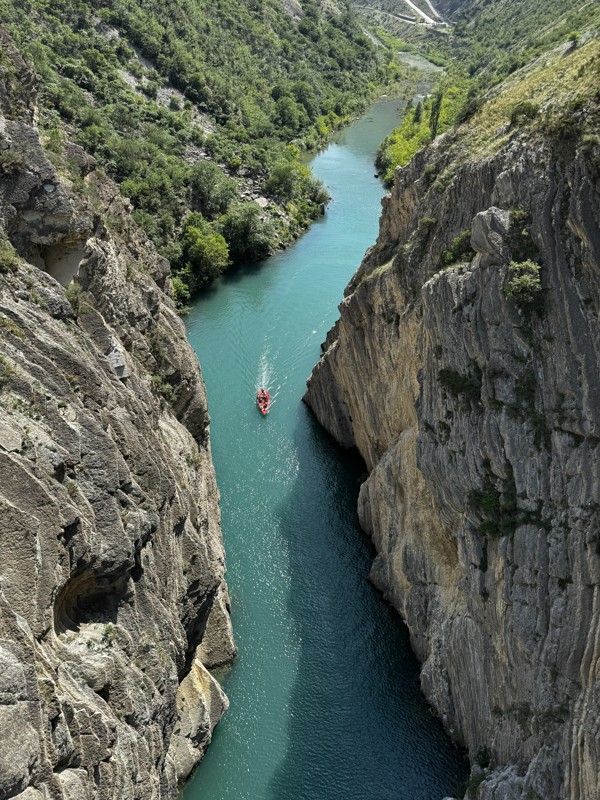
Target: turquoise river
325 701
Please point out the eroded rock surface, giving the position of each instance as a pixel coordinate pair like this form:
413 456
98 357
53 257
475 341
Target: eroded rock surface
112 597
478 415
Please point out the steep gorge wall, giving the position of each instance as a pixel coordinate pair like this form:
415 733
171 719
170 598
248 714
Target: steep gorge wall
479 423
113 605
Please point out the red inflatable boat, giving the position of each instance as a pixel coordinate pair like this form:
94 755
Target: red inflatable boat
263 401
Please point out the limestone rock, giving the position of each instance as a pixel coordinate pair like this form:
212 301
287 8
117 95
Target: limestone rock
200 704
217 648
479 421
112 569
488 236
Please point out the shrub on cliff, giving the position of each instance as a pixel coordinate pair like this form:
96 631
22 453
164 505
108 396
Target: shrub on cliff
6 370
523 285
460 249
523 112
520 241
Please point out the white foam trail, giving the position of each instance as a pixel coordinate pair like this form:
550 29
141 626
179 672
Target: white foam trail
264 371
265 375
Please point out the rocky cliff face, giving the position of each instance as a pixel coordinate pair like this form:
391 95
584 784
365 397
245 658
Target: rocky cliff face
113 605
473 395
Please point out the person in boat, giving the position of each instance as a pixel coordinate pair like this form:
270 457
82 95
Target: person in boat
262 398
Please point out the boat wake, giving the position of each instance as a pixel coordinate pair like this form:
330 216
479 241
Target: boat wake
266 376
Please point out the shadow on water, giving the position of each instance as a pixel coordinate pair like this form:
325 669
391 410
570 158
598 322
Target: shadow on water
357 718
248 269
245 270
233 275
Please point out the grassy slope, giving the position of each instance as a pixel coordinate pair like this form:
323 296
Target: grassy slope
544 97
153 92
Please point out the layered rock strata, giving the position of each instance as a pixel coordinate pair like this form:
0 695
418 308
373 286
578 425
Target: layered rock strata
474 397
113 605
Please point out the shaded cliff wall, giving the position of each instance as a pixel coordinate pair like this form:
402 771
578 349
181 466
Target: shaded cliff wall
113 604
478 417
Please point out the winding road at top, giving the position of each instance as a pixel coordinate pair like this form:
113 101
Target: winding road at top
401 18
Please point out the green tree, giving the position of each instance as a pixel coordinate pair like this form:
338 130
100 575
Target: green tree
434 116
290 114
205 254
211 190
249 237
523 284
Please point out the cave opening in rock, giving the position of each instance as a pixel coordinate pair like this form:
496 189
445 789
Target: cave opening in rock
61 260
87 599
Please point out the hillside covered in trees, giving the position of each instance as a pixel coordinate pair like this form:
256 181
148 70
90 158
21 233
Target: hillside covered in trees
480 46
201 108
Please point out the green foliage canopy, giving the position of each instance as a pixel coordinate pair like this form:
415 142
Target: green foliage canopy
183 108
249 237
523 284
204 252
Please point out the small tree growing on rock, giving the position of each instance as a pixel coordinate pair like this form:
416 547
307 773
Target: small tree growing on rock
523 285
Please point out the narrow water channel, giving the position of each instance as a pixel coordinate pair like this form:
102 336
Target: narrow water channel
325 703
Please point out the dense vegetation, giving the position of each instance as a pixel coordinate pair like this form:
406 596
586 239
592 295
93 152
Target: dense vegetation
500 37
202 109
422 123
487 43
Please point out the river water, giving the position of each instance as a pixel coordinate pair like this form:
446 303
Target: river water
325 703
